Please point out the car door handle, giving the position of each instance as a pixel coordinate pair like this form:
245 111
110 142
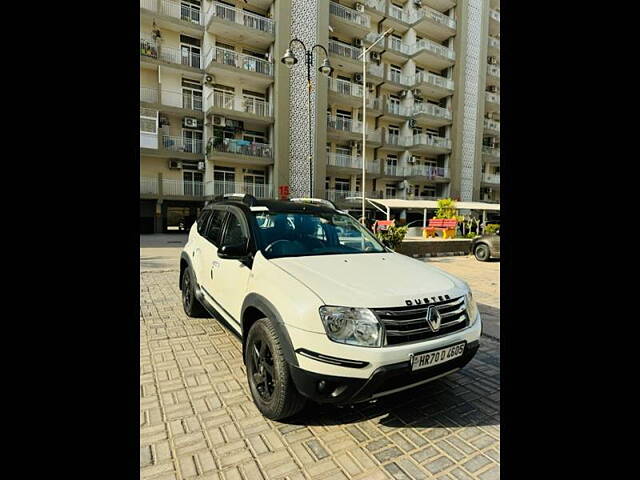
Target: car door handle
215 264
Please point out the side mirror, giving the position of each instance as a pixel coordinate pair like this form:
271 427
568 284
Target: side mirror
233 252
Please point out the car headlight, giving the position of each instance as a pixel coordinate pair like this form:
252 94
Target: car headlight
353 326
472 307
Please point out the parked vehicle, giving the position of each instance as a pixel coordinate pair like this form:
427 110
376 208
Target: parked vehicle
487 246
325 311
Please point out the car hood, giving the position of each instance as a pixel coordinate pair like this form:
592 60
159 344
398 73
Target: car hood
370 279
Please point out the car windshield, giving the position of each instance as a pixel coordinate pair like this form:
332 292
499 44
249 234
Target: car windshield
304 234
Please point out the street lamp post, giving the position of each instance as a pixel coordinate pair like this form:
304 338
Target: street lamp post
364 113
289 59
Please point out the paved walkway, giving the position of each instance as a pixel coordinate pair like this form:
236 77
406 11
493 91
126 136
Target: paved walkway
197 420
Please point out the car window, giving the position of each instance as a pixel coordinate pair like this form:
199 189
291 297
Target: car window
202 221
215 226
234 234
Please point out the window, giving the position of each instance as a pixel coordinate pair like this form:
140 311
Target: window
224 180
342 184
215 226
202 221
234 234
190 51
256 137
191 94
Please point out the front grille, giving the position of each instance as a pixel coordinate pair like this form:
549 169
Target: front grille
409 324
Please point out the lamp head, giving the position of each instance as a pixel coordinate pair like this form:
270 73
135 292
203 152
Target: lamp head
289 59
326 67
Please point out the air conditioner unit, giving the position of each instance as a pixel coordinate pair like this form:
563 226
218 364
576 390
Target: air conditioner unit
492 60
417 3
190 122
357 42
209 80
200 165
404 93
412 123
370 86
219 121
493 88
402 185
416 92
412 159
359 7
357 78
375 56
175 164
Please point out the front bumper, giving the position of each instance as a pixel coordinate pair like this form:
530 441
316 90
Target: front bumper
384 380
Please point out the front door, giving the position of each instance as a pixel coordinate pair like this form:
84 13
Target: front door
206 253
230 277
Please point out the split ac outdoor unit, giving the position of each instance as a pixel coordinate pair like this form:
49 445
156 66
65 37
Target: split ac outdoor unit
175 164
412 123
200 165
219 121
402 185
357 78
492 60
412 159
359 7
357 42
404 93
190 122
493 88
416 92
209 80
417 3
375 56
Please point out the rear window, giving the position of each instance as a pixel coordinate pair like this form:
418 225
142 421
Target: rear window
202 221
215 226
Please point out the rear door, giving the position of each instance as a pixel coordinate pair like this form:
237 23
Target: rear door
208 254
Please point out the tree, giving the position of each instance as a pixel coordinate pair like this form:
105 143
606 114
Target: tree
446 208
392 237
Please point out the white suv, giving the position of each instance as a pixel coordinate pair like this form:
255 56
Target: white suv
324 310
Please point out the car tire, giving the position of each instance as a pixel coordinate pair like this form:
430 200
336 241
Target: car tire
482 252
270 383
191 305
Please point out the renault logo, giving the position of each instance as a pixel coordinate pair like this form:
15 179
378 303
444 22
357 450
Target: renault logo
433 318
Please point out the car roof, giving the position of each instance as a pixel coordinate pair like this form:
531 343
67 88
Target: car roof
276 206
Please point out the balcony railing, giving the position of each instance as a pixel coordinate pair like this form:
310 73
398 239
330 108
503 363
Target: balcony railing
436 80
240 104
430 171
493 70
495 14
491 124
238 60
398 77
397 170
343 50
149 186
344 160
344 87
432 110
181 144
349 14
398 45
434 15
148 48
241 17
396 109
182 188
398 13
376 4
170 8
491 178
373 166
242 147
491 151
171 98
392 139
426 139
492 97
344 124
219 187
433 47
494 42
376 70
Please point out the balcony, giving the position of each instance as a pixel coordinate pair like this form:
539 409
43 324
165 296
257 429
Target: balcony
432 115
165 187
432 53
491 154
181 145
247 108
492 102
397 18
493 46
395 111
427 143
240 151
430 22
493 70
341 195
345 56
176 102
348 21
432 85
239 26
149 186
491 178
228 65
258 190
494 15
396 50
393 141
152 54
169 14
491 127
396 171
345 92
400 80
378 6
429 171
375 70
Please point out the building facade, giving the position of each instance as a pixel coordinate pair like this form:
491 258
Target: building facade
220 113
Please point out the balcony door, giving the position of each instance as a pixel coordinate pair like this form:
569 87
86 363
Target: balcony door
255 183
343 120
191 94
190 11
224 180
192 140
192 183
190 51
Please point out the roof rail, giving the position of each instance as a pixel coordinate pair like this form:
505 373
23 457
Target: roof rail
320 201
245 198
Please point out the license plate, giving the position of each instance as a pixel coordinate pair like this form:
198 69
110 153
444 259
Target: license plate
436 357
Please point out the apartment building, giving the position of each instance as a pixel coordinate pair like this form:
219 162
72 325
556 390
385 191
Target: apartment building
219 112
490 180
